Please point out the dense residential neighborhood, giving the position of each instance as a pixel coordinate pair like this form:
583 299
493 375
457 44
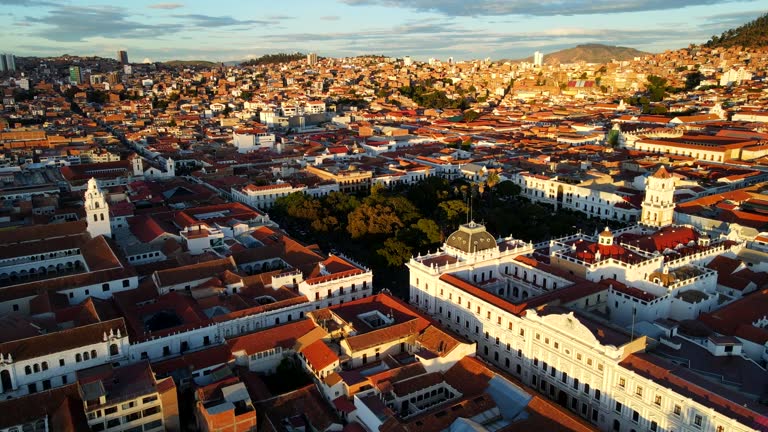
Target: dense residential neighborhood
385 244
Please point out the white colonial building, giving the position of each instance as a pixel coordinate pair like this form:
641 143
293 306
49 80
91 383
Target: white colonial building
597 197
97 211
659 205
546 324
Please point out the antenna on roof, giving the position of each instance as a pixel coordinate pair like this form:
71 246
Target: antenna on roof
469 212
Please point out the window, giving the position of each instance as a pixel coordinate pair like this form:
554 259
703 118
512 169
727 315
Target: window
112 423
110 410
45 366
657 400
61 362
576 383
639 391
677 410
597 394
617 408
635 416
697 420
151 411
27 370
655 426
622 382
153 425
105 287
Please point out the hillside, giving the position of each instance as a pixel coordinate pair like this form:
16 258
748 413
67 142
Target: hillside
591 53
753 34
188 63
278 58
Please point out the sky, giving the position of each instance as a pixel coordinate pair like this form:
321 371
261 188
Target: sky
231 30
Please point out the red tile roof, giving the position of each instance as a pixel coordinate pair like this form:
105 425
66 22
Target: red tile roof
319 355
284 336
685 383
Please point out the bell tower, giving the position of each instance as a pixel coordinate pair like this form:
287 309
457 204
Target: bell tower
658 208
97 211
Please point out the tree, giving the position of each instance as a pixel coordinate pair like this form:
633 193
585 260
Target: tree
657 88
395 252
453 212
340 204
508 189
372 220
326 224
493 179
470 116
430 229
692 80
613 138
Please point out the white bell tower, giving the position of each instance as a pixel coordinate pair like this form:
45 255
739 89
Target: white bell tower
658 208
97 211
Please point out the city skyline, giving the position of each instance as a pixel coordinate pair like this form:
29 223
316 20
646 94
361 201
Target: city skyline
157 31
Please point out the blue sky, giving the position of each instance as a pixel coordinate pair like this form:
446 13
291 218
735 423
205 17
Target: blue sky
463 29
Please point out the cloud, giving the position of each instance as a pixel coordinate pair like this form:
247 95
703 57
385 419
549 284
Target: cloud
330 18
28 3
76 23
166 6
532 7
199 20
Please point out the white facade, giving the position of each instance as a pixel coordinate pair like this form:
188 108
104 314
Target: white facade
54 369
559 354
97 211
264 197
591 199
248 142
659 205
734 76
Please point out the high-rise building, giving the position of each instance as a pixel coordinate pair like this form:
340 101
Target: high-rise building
75 75
407 61
311 59
7 63
538 58
123 57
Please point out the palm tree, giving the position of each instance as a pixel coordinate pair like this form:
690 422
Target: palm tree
493 179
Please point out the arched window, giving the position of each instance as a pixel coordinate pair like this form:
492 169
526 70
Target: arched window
45 366
78 358
27 370
36 368
93 354
113 350
86 356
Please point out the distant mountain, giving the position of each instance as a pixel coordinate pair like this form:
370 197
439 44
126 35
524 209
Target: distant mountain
753 34
591 53
182 63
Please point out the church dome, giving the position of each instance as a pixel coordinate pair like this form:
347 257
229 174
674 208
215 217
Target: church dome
471 237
